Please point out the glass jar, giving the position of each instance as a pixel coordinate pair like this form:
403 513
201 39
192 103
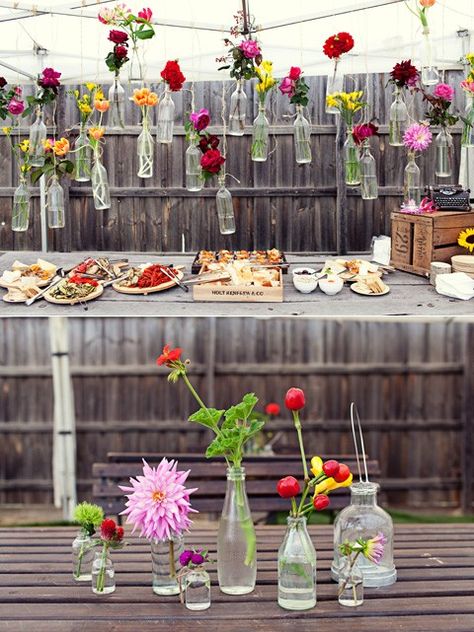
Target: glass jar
398 119
412 182
363 518
260 132
37 136
100 184
351 583
237 110
296 567
166 118
165 562
368 174
197 591
193 167
103 574
21 207
444 154
429 72
135 68
335 83
302 137
82 557
55 204
467 138
145 151
225 209
82 157
351 159
116 114
236 540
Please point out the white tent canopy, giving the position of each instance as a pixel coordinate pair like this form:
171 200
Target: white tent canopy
73 41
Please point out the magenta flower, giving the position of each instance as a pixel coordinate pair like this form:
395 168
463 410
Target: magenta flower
417 137
50 78
287 86
145 14
295 73
16 107
444 91
249 48
200 120
158 502
374 548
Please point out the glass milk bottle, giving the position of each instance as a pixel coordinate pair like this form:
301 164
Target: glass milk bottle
193 167
398 120
55 204
225 209
368 174
302 137
237 110
166 118
297 568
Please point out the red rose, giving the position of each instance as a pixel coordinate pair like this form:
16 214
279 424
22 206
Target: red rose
294 399
288 487
338 44
212 161
145 14
320 502
364 131
404 74
173 76
107 529
118 37
272 409
3 82
208 142
120 51
49 78
169 355
295 73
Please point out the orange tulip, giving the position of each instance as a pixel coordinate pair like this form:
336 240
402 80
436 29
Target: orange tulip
144 97
96 132
61 147
101 105
427 3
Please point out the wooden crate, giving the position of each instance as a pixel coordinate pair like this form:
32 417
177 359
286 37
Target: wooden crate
238 293
417 240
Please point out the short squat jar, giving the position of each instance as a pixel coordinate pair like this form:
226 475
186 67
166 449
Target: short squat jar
197 593
351 584
82 557
103 574
165 565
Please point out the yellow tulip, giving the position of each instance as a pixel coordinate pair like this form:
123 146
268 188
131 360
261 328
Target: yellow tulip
330 484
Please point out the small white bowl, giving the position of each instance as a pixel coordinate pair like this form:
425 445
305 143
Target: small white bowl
331 285
305 280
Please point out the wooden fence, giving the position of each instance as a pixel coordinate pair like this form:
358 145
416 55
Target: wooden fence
413 383
277 203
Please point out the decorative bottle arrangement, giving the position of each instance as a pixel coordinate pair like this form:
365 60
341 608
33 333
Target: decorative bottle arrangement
429 72
351 584
260 133
225 208
297 567
467 138
21 207
116 115
302 137
335 83
82 556
82 157
334 47
166 110
368 174
237 110
37 136
351 159
398 119
412 182
165 555
103 574
193 167
444 154
100 183
145 149
55 204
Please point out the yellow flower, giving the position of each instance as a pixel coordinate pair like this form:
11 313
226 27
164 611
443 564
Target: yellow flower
47 144
24 145
330 484
91 86
331 101
267 66
76 93
25 168
86 98
99 95
61 147
316 465
466 239
85 108
6 130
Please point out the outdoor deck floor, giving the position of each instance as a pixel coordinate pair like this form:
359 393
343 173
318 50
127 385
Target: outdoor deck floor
409 295
434 591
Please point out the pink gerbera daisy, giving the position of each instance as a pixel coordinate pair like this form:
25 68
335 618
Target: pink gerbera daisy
158 502
417 137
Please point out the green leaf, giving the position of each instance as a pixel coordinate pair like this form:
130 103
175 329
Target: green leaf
209 417
145 34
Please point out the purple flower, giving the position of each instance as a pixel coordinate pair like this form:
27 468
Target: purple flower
185 557
249 48
444 91
200 120
417 137
50 78
374 548
16 107
197 558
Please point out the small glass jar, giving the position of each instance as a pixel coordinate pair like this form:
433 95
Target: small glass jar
467 138
37 136
444 154
429 72
197 591
82 557
225 209
166 118
165 564
103 574
297 568
193 167
351 158
21 207
398 119
116 113
145 149
368 174
82 157
351 584
412 182
260 131
335 83
55 204
237 110
302 137
100 184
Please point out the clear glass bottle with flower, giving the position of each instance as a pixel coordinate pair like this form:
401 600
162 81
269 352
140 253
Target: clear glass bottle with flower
82 148
261 127
195 126
404 76
37 137
99 176
429 72
194 580
351 577
417 138
174 80
348 104
88 517
368 166
467 138
21 196
334 47
296 88
237 110
103 572
145 99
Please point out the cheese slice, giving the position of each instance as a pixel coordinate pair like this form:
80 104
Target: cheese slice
46 266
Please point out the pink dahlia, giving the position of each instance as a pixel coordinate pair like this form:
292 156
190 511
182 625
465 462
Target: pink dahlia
444 91
158 502
374 548
417 137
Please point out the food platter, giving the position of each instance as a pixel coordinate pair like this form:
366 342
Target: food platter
148 290
364 291
29 273
90 297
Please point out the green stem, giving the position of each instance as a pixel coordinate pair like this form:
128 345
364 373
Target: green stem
296 419
351 566
172 561
101 576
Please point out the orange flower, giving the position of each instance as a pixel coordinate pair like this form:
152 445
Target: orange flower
61 147
144 97
96 132
427 3
101 105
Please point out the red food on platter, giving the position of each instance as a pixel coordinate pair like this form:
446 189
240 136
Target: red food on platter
154 275
80 280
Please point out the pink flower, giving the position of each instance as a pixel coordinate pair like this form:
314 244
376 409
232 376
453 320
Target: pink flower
145 14
468 86
107 16
374 548
417 137
249 48
295 73
50 78
16 107
18 90
158 502
287 86
200 120
443 91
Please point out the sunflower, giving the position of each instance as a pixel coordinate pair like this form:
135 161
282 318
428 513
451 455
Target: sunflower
466 239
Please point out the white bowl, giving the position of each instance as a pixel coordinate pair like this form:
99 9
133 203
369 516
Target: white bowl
305 283
331 285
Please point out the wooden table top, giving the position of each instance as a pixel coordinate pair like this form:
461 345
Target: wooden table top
434 591
409 295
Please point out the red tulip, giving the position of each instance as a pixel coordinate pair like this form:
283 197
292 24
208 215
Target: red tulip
331 468
294 399
320 502
342 474
288 487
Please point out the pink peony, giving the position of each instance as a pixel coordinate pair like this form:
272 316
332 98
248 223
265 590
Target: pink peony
295 73
200 120
16 107
287 86
145 14
417 137
249 48
443 91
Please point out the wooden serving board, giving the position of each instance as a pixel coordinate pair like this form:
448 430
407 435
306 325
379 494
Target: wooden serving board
90 297
38 283
148 290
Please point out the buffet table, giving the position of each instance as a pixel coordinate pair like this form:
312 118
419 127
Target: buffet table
409 295
434 591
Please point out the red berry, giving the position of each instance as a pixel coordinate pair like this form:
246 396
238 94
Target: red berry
294 399
331 468
272 409
320 502
343 473
288 487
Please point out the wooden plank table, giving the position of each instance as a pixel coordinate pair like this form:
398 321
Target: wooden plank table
434 591
409 295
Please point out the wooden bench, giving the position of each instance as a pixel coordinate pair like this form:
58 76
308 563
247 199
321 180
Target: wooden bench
262 474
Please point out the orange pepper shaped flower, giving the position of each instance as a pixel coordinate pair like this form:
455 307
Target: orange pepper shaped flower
61 147
96 132
101 105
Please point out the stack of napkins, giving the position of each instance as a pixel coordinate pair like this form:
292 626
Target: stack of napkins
457 285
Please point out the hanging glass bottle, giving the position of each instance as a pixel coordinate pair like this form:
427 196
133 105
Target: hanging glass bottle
37 136
193 167
103 574
82 157
444 154
398 119
302 137
165 564
429 72
351 158
351 583
297 567
197 589
100 184
368 174
363 518
236 541
260 131
467 138
225 209
116 114
21 207
237 110
55 204
166 118
335 83
82 557
412 183
145 150
135 69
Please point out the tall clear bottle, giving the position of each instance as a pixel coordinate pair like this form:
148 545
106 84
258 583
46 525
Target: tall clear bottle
37 136
368 174
55 204
335 83
429 72
260 131
467 138
351 159
412 182
225 209
145 150
237 542
237 110
21 207
302 137
82 157
297 567
116 113
398 119
193 167
166 110
100 184
363 518
444 154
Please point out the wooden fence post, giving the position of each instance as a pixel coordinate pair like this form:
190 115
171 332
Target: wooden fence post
467 454
341 199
